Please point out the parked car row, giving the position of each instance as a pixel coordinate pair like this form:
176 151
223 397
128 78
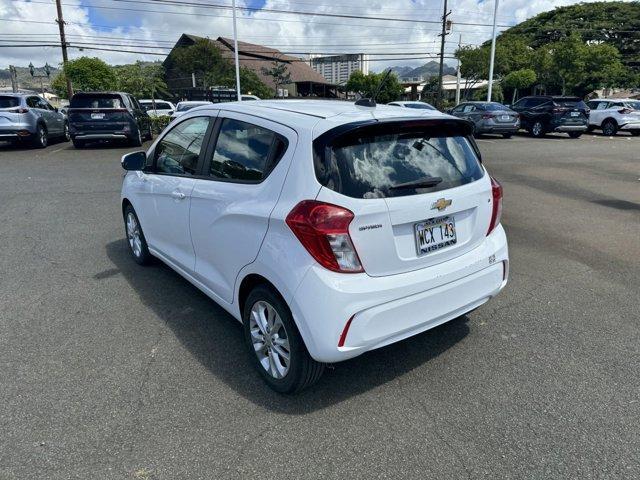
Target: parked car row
543 114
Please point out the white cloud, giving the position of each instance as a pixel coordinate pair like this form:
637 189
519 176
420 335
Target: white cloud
293 33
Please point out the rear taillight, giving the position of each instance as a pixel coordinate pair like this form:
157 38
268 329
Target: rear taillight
19 110
558 110
496 210
323 229
487 116
625 111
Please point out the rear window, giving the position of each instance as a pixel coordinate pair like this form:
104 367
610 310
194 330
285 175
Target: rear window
9 102
373 162
97 101
492 107
634 105
159 106
569 102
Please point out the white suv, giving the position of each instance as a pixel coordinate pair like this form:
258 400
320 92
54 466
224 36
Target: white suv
612 115
326 228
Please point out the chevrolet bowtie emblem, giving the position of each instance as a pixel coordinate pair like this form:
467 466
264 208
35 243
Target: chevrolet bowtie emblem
440 204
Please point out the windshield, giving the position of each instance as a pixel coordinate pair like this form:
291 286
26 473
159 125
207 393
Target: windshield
183 107
97 101
494 107
372 166
9 102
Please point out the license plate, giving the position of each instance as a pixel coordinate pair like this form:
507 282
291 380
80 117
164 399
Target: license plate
97 116
435 234
575 114
505 117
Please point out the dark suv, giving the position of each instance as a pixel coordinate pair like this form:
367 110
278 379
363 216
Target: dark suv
107 116
543 114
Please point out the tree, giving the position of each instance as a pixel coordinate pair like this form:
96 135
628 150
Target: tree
279 72
519 79
86 74
366 85
204 60
143 80
496 93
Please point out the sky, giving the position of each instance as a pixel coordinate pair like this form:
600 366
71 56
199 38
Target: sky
125 28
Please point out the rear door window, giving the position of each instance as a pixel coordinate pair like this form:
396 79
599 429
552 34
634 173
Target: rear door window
33 102
377 164
245 152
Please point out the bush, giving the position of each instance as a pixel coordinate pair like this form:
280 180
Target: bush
158 124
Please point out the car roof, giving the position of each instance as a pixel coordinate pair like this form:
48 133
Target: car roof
320 115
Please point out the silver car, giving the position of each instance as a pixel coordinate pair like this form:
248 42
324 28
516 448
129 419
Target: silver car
31 119
488 117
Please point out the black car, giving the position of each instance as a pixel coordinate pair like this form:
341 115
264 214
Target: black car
97 116
543 114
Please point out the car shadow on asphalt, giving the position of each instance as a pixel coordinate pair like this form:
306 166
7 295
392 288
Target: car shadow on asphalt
215 339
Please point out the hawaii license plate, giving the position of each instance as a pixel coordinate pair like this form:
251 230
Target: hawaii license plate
97 116
435 234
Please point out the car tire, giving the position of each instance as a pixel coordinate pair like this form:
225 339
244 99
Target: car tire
609 128
78 143
575 134
537 129
507 135
65 133
635 133
271 334
136 141
135 237
41 138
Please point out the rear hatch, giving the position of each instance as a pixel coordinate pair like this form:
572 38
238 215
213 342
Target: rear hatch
398 225
570 111
99 112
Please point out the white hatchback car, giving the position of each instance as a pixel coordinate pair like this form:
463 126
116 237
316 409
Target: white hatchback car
326 228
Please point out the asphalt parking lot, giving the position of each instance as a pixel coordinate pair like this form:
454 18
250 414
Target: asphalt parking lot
111 370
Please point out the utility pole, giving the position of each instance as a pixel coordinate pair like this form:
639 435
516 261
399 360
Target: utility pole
235 52
445 24
458 73
63 42
493 51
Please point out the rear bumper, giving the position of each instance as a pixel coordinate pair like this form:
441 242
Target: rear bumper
100 136
16 130
498 128
387 309
630 126
569 128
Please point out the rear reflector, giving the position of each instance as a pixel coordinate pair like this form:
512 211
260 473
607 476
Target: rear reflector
343 335
323 229
496 205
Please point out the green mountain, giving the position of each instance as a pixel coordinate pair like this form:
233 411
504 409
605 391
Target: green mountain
427 70
25 80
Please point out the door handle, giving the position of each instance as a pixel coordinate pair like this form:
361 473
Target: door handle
178 195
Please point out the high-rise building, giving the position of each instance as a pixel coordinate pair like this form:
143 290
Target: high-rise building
336 69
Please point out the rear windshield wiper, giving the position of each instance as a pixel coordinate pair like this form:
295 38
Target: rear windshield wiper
424 182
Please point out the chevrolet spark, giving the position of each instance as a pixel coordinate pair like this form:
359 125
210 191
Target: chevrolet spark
328 229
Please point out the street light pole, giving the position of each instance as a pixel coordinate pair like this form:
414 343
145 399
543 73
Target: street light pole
235 51
493 50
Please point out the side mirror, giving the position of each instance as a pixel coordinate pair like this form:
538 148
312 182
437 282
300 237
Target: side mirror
134 161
